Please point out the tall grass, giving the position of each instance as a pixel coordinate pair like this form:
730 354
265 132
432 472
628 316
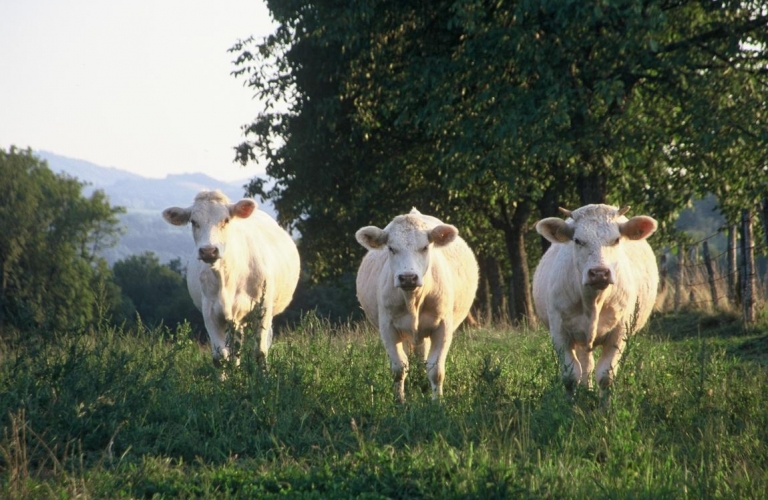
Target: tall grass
142 414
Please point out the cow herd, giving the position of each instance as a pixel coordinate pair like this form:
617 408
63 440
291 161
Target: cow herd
594 286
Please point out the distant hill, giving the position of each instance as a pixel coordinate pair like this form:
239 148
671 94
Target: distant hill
144 199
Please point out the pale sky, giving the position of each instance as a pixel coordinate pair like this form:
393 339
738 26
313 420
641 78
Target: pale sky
140 85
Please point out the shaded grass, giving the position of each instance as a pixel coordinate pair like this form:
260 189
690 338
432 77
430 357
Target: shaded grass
143 414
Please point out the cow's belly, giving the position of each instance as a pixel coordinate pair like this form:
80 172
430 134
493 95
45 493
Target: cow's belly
224 308
414 331
578 327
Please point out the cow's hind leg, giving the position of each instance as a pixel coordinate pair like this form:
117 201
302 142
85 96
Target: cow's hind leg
398 362
587 362
216 327
398 359
421 351
608 365
265 341
570 368
438 352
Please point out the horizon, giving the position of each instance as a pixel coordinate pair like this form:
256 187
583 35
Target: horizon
142 86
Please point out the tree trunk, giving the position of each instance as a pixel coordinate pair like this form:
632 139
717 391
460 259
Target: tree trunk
491 296
548 207
764 216
592 188
496 288
512 220
483 300
521 303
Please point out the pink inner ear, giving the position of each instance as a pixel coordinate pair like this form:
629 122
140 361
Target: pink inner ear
639 227
243 208
443 234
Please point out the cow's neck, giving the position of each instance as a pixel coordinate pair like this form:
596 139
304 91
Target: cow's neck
221 274
592 302
412 301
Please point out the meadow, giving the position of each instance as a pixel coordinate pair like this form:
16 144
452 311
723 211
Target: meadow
143 414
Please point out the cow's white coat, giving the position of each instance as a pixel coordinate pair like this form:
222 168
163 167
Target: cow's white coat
242 259
595 286
416 283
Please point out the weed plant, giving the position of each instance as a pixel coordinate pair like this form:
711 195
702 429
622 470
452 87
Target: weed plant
144 414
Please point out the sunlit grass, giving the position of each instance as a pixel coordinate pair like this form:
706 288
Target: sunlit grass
142 414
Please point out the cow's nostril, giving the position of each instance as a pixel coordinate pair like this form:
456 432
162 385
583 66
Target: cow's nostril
408 279
208 253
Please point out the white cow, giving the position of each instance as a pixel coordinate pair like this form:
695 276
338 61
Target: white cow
594 286
416 284
243 259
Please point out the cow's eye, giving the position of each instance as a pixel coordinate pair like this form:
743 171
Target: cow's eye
225 222
194 224
615 242
391 250
424 250
578 242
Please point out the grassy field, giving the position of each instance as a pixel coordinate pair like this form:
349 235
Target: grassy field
144 415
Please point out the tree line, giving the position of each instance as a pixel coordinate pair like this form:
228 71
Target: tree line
490 115
53 279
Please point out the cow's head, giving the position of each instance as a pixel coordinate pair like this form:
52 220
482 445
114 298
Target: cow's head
210 217
596 233
408 241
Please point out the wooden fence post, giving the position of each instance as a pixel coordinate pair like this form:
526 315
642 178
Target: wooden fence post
731 264
710 272
748 267
663 273
680 275
693 260
765 220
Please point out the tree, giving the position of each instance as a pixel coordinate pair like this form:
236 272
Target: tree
488 111
157 292
49 236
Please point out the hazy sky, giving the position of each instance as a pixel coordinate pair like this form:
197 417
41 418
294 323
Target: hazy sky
141 85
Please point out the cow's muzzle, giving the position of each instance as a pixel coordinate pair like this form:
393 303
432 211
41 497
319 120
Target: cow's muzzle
408 281
599 277
208 254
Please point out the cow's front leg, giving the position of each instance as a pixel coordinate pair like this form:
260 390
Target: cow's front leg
421 350
398 360
265 338
570 368
216 326
608 364
438 352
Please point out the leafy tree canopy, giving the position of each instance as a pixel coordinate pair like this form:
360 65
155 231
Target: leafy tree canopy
483 111
49 236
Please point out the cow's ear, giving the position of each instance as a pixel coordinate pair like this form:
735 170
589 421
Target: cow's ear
371 237
176 215
443 234
555 230
243 208
638 227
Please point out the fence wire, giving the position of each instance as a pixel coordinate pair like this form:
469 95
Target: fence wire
695 266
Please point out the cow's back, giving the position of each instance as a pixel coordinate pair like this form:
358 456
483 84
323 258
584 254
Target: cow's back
266 256
458 270
556 279
645 271
454 266
554 274
274 260
372 276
